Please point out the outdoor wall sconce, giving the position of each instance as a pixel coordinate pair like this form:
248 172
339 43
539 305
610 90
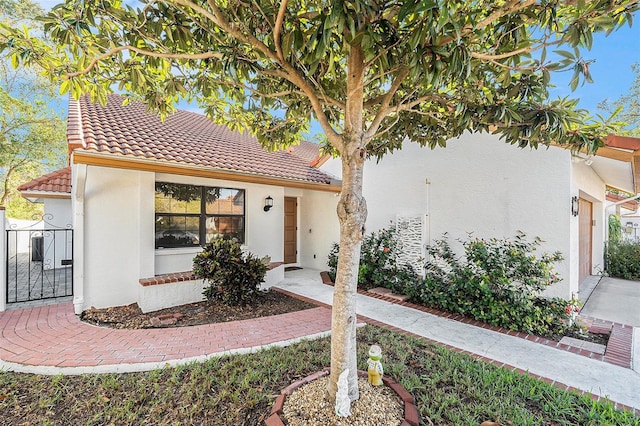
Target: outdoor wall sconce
574 206
268 203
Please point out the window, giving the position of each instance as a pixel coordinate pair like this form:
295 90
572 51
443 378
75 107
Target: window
189 215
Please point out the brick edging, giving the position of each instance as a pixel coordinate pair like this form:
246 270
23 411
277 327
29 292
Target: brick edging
620 335
182 276
167 278
411 416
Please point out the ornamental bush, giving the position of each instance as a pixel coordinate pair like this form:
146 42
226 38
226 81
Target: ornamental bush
615 228
497 282
622 259
378 263
233 277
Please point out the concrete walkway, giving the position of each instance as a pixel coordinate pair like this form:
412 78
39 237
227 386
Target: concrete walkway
617 383
615 300
52 340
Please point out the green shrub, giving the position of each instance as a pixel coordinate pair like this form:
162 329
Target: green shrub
622 260
378 263
497 282
615 228
233 277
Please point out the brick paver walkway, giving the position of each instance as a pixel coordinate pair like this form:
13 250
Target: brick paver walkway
53 336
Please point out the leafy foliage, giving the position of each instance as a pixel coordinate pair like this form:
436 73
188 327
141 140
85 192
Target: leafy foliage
622 259
427 70
233 276
32 138
497 282
615 228
379 266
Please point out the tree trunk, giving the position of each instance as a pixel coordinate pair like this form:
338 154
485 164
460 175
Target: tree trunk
5 186
352 213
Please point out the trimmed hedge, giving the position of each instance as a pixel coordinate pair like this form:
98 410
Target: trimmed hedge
497 282
622 260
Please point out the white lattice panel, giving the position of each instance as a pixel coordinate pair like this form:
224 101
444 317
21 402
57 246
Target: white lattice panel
411 231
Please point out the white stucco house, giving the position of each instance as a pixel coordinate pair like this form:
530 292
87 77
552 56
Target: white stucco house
143 195
479 184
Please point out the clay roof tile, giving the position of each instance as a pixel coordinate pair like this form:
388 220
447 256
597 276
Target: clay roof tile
189 138
57 181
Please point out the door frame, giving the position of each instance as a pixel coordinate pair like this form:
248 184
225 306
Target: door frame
296 230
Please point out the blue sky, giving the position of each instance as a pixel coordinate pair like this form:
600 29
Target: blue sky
611 70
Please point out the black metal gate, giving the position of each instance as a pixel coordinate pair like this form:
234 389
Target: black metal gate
39 262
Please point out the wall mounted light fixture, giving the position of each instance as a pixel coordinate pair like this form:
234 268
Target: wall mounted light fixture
575 206
268 203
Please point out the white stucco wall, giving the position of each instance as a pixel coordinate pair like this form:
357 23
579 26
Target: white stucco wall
20 242
588 185
57 214
480 185
318 229
113 236
116 223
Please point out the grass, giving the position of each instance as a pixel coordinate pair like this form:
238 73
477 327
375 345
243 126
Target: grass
450 389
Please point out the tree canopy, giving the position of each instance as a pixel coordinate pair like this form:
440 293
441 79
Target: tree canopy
431 70
32 138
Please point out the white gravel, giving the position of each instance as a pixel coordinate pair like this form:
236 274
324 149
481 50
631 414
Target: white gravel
309 406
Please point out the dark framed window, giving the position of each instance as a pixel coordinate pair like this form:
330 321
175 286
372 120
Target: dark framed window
190 215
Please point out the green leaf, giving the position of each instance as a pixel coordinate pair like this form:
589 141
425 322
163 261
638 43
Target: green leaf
565 54
575 80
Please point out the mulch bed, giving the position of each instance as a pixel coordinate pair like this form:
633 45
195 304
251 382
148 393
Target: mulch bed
206 312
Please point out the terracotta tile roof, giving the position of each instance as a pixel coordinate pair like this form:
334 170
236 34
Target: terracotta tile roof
184 137
624 142
308 151
58 181
630 205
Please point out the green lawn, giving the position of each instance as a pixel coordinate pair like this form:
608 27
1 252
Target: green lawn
450 389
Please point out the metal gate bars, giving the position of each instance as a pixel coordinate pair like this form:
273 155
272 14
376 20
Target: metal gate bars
39 262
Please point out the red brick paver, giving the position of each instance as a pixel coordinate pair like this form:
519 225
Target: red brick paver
53 336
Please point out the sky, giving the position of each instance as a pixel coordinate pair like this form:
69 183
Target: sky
611 70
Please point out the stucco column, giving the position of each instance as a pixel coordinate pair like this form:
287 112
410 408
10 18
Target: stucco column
79 178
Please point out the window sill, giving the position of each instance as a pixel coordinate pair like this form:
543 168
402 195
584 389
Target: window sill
172 251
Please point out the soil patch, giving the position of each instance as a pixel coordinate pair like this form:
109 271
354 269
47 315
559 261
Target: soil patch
206 312
601 339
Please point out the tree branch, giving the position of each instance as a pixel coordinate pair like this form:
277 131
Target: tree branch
513 6
386 101
490 57
289 71
111 52
278 28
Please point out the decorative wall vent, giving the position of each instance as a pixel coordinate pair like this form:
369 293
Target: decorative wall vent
411 232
